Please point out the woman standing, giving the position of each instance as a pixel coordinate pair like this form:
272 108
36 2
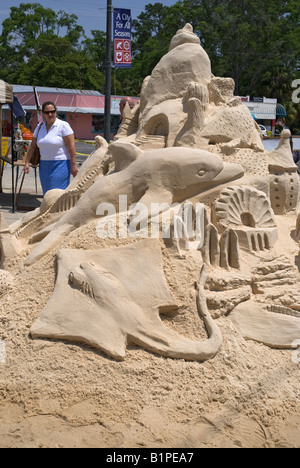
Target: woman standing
55 139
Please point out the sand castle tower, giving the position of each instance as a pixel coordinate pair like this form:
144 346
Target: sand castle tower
284 178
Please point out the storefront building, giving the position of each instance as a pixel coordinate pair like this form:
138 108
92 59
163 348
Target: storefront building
265 111
83 110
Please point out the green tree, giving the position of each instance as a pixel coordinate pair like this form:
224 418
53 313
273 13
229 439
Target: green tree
57 64
28 21
257 43
152 32
248 40
95 48
22 30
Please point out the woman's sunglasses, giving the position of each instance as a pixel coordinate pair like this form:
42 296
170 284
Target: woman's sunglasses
49 112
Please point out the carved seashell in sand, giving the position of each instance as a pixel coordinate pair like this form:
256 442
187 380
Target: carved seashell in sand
248 212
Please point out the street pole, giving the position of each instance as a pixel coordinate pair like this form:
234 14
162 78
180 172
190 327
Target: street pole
12 134
108 67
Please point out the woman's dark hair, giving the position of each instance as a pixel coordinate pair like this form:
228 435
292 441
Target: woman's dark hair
48 103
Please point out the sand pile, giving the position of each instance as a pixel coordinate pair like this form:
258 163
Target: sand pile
59 393
62 394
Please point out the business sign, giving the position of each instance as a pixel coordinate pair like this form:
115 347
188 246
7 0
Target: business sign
122 38
4 146
256 99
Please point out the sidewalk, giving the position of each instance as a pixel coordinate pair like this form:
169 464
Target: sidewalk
29 199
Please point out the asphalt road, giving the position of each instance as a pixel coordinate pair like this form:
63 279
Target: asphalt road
83 150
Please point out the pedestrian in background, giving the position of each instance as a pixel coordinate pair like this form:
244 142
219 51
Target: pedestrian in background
123 103
55 139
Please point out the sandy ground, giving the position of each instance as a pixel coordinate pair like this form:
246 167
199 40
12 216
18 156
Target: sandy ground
62 394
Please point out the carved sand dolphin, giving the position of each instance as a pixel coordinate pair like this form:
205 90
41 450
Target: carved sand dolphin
169 175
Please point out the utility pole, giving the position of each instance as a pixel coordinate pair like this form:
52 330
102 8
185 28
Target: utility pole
108 67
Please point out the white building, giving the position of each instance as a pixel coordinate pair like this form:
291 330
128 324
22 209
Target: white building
265 111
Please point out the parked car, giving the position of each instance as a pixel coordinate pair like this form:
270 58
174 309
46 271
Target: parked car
263 130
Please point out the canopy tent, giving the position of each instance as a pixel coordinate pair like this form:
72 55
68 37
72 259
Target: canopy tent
6 92
280 111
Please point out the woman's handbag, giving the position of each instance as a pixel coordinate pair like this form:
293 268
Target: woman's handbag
36 155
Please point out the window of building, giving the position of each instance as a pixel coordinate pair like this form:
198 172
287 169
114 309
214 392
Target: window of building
62 116
98 124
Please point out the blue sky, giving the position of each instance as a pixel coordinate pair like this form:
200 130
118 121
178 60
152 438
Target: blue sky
91 13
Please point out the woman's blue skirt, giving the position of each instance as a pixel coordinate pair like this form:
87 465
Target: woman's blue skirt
54 174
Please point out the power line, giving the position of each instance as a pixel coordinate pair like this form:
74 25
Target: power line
94 4
73 2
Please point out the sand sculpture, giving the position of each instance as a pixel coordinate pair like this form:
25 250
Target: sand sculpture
6 282
190 139
158 176
107 294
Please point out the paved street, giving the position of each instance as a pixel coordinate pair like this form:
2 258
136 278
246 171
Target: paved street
83 150
31 195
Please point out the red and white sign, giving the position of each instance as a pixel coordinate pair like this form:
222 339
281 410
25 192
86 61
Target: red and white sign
122 51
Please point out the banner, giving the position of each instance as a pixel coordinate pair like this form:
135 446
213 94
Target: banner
18 110
122 26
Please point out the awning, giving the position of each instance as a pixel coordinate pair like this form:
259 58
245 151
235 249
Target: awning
280 111
6 92
78 110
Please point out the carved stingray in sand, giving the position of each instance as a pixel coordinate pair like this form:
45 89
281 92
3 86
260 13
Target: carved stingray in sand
168 175
99 299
